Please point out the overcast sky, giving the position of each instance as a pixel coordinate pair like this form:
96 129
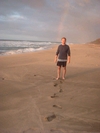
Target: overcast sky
49 20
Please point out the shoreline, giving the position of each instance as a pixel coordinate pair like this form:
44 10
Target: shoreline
5 54
14 52
50 47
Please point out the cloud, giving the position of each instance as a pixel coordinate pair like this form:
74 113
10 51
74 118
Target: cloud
50 20
83 2
33 3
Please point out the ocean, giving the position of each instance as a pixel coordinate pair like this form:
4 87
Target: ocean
9 47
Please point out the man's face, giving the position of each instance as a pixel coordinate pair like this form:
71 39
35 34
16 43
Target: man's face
63 41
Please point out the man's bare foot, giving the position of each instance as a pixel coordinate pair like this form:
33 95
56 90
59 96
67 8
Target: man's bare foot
57 78
63 78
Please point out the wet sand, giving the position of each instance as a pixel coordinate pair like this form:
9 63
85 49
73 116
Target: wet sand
32 101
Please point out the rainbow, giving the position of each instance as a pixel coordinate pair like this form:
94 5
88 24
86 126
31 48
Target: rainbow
61 24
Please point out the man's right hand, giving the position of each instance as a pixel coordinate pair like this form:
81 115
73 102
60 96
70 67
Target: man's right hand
55 60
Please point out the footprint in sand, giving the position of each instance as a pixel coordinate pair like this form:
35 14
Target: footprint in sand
51 117
61 81
54 96
55 84
61 90
57 106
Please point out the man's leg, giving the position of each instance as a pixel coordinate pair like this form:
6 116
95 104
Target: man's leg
64 72
58 72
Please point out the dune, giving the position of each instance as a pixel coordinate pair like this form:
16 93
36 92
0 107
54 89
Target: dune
97 41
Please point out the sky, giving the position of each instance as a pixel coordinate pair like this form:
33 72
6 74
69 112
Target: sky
50 20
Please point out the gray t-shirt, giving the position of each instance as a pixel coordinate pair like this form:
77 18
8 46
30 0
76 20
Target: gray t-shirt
63 51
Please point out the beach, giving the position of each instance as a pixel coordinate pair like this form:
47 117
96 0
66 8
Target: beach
32 101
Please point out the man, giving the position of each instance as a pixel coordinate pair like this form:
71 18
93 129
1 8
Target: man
62 58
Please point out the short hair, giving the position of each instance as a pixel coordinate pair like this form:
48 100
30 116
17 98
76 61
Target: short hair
63 38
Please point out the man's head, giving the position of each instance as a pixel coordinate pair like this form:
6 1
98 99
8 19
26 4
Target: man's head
63 40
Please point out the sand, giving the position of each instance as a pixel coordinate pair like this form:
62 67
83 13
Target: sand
32 101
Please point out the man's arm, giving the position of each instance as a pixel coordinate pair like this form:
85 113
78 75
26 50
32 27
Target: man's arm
56 57
69 56
68 61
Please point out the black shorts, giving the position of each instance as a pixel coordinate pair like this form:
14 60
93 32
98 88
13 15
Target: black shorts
63 63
